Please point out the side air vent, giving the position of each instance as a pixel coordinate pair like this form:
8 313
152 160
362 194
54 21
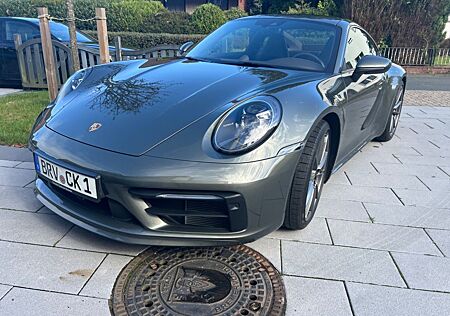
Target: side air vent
202 210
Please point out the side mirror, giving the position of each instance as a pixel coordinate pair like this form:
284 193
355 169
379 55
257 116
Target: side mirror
371 65
185 47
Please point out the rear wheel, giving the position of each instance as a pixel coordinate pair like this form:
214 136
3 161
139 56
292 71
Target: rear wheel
308 179
392 123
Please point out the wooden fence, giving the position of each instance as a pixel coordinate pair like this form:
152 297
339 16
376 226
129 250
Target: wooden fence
32 66
413 56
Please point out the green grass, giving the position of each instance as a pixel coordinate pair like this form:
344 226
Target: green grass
17 114
442 61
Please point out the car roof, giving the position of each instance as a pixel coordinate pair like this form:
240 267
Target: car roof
303 17
32 20
19 18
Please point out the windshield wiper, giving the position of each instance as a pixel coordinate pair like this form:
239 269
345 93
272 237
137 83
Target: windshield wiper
196 59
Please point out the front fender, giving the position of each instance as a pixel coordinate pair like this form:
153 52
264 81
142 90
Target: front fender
303 107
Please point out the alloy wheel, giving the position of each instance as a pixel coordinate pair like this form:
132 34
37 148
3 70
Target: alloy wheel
396 111
317 176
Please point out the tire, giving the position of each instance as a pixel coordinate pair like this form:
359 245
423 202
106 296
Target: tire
308 179
394 117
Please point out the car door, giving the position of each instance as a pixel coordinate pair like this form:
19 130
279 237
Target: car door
363 94
10 63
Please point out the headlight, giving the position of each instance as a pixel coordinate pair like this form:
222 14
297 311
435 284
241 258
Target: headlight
72 83
247 125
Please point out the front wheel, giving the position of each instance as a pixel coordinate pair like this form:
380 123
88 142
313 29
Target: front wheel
308 179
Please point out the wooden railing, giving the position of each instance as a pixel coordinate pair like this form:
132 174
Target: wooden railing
32 66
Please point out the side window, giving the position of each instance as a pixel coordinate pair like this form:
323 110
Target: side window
358 45
26 31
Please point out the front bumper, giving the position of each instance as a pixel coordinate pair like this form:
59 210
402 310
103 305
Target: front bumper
254 194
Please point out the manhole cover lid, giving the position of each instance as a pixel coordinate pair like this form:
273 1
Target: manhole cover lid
234 280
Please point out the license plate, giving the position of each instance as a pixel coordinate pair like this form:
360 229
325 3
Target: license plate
66 178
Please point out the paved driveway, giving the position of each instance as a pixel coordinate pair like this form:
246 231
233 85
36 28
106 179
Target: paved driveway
380 244
5 91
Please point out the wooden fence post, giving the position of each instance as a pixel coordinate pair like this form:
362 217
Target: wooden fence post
118 46
102 35
20 58
72 35
47 51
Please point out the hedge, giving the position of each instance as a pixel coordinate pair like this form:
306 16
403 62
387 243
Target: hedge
147 40
144 16
122 15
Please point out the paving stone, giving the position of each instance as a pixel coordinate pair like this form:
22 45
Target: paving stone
79 238
316 231
269 248
3 290
338 178
359 164
316 297
372 156
339 263
26 165
410 169
18 199
409 216
374 300
36 303
386 181
446 169
45 210
102 282
424 272
382 237
32 228
434 151
380 151
358 193
46 268
8 163
13 153
348 210
437 184
433 199
16 177
442 239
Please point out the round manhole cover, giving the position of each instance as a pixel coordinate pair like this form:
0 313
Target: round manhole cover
234 280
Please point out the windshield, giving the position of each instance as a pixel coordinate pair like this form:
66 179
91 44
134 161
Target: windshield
61 32
272 42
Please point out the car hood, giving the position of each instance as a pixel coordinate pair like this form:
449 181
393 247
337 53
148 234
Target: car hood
136 105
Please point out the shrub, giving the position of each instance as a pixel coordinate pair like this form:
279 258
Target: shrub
254 6
207 17
129 15
168 22
148 40
235 13
324 7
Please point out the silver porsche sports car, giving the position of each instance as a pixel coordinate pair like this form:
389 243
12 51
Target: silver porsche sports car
223 145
